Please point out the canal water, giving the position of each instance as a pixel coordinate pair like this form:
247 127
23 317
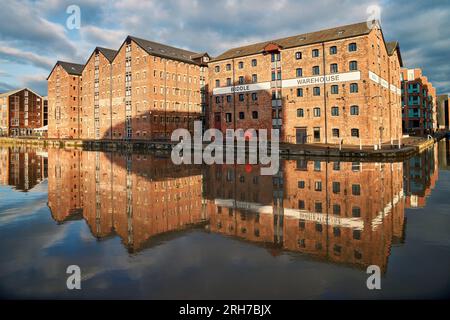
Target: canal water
139 226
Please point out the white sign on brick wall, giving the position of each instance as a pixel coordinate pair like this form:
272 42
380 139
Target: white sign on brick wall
331 78
242 88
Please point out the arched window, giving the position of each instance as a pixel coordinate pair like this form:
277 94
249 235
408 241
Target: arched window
353 87
354 110
352 47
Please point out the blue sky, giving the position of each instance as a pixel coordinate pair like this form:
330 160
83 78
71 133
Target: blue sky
33 34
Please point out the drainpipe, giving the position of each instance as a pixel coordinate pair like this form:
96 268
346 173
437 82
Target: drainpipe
110 101
165 97
234 99
325 92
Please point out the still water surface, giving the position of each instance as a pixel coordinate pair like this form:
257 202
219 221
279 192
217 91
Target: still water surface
140 227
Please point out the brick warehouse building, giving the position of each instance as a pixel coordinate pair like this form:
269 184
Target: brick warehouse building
96 100
64 106
419 103
330 86
156 89
21 112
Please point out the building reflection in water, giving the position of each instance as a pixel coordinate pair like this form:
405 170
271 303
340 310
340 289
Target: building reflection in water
134 196
337 211
420 176
23 168
342 212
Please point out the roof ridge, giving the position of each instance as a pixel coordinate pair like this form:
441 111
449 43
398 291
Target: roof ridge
286 39
162 44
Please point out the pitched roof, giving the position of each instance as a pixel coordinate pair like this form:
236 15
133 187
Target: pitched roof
393 46
165 51
108 53
9 93
337 33
72 68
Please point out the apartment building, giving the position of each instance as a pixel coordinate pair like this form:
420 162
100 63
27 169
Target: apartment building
340 85
156 89
64 101
21 112
418 103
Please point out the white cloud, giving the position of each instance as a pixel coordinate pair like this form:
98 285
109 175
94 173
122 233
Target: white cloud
20 56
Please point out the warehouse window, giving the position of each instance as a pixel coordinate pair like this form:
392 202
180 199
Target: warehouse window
316 134
354 110
254 96
241 115
229 98
333 68
316 91
241 80
316 112
353 88
352 47
334 89
318 186
315 53
299 72
228 117
217 69
315 70
301 205
353 65
228 81
241 97
228 67
335 111
300 113
241 65
333 50
356 189
255 114
254 63
336 187
254 78
217 83
298 55
356 212
299 92
335 133
355 133
275 57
